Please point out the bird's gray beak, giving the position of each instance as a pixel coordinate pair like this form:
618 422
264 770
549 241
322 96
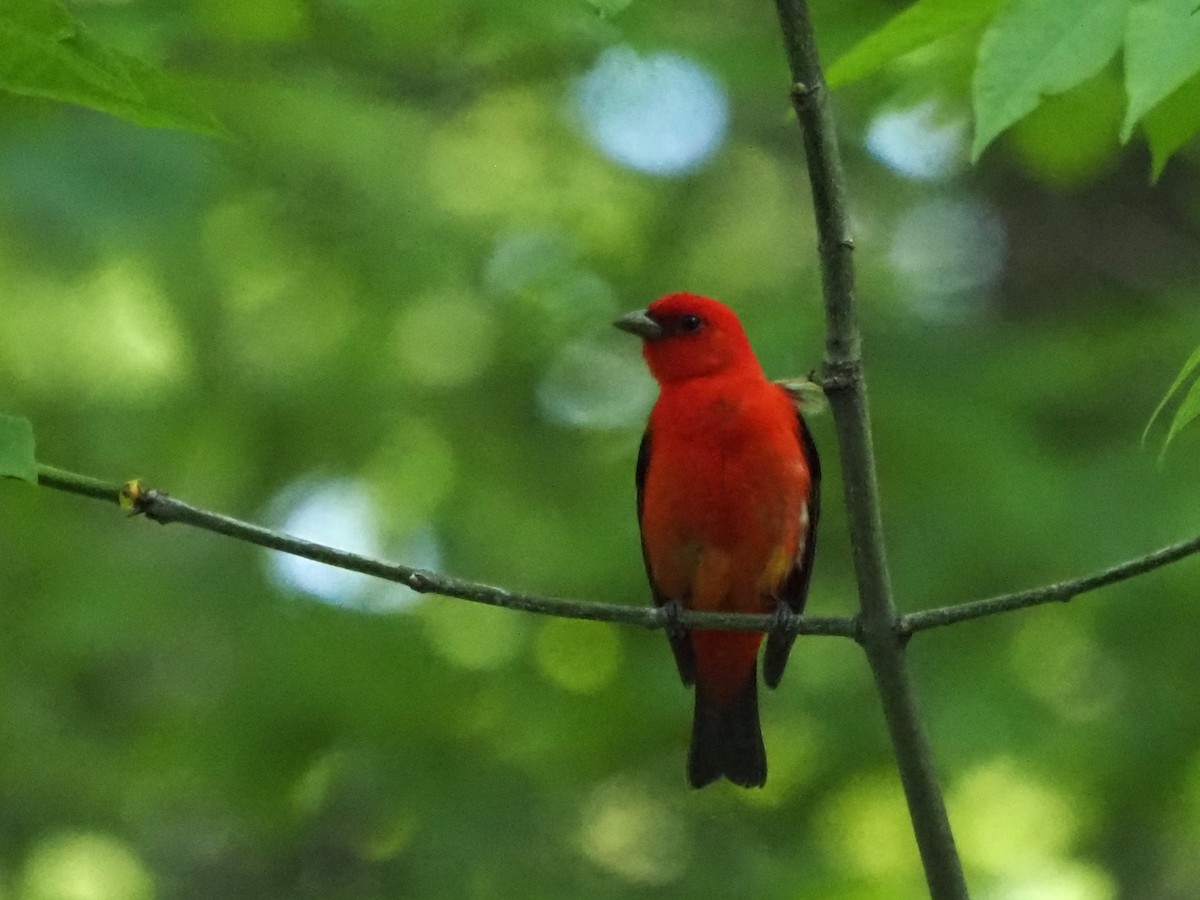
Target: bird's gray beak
639 323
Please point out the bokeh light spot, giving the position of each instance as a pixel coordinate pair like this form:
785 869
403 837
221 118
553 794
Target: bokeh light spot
285 315
342 514
867 828
581 657
312 788
919 142
345 791
338 513
632 834
661 114
474 636
1008 822
444 339
1061 880
796 747
529 258
87 866
388 836
1067 670
731 248
112 334
1183 866
491 161
949 250
510 162
410 474
546 296
596 383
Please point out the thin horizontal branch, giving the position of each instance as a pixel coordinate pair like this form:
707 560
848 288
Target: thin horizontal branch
165 509
84 485
1060 592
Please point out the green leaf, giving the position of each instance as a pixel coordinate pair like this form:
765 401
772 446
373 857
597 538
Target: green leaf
45 53
922 23
16 449
1172 124
1034 48
1186 373
1162 51
1188 410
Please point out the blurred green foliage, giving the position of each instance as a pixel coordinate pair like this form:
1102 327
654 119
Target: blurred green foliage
45 52
17 456
393 287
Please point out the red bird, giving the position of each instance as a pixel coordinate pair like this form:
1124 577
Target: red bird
728 490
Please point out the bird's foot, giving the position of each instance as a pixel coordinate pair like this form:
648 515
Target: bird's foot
783 631
783 621
673 614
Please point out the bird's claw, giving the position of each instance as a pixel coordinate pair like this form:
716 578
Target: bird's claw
785 625
673 615
783 622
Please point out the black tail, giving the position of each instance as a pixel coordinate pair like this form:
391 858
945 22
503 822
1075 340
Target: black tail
727 740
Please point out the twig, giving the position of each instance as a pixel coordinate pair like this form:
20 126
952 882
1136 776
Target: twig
1061 591
165 509
848 402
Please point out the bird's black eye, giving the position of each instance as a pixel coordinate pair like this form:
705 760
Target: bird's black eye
690 323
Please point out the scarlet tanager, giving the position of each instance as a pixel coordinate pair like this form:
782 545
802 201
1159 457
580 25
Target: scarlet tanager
728 495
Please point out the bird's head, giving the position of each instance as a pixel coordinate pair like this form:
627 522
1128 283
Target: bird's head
687 336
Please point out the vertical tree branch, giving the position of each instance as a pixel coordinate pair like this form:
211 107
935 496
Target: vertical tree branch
882 637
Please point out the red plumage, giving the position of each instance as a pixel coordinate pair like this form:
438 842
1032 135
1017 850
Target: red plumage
728 499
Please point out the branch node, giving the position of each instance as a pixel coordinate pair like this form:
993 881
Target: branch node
845 375
130 496
668 617
418 581
141 500
802 94
155 506
784 621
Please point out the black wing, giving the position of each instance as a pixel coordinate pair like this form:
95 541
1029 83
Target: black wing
681 643
795 587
